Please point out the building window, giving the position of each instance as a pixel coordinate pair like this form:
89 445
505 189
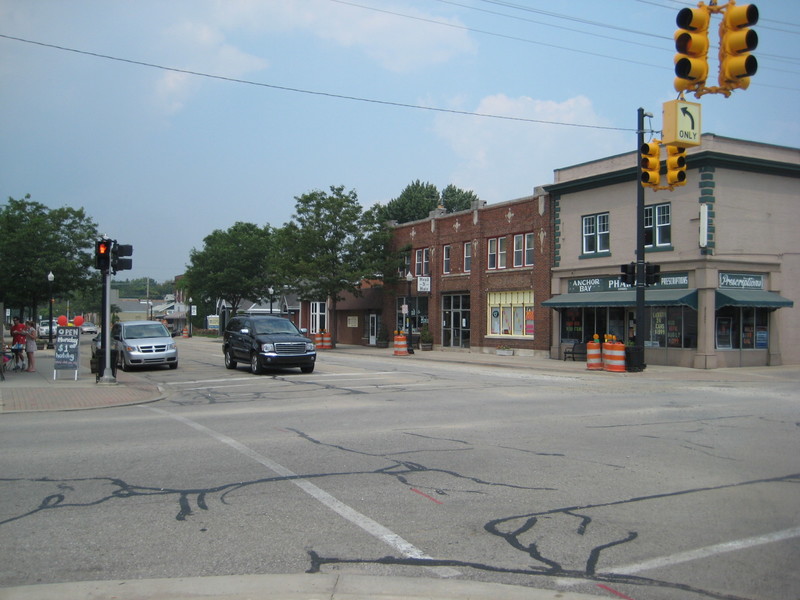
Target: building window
467 257
497 253
511 313
406 267
318 314
523 249
422 264
446 259
595 234
657 225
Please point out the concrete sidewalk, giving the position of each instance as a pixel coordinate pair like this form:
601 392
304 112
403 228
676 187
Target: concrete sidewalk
39 391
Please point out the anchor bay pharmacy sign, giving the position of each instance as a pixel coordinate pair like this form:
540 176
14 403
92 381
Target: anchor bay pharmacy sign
669 281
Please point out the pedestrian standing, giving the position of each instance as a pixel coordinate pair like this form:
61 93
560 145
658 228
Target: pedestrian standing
18 341
30 345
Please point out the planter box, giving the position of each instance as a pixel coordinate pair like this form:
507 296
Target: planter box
504 352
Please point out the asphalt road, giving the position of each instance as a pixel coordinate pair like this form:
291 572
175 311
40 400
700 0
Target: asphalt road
655 489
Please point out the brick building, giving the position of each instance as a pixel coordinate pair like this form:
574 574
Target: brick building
479 277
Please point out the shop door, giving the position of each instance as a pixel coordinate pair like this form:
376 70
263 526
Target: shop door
373 329
455 321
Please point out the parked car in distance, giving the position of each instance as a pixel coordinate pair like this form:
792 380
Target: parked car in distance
43 330
267 342
89 327
142 344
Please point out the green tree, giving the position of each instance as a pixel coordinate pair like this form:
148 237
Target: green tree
37 240
455 199
233 265
331 245
418 199
415 202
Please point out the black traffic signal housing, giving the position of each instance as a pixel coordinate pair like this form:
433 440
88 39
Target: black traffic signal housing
676 165
736 40
628 274
652 274
691 43
102 254
118 260
650 161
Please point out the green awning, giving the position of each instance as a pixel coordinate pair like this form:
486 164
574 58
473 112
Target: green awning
652 297
759 298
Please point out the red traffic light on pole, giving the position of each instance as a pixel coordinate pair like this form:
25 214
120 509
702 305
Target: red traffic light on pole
102 254
691 43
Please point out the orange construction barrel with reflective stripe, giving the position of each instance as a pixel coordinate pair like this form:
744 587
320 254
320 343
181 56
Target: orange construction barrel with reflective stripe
594 358
400 346
327 343
614 357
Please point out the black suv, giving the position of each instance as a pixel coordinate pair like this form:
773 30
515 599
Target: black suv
267 342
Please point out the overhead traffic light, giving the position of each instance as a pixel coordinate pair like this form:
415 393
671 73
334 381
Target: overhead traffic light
676 165
650 162
691 43
652 274
736 40
118 263
102 254
628 274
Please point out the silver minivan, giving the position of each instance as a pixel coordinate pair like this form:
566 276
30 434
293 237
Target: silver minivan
143 343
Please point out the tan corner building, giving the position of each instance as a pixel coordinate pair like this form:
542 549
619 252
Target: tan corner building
726 242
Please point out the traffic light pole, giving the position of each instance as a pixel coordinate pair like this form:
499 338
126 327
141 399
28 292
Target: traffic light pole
637 363
107 375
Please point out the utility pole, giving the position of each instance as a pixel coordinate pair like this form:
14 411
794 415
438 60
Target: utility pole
637 356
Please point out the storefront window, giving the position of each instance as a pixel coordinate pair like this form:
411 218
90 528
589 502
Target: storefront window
511 313
417 309
742 328
665 326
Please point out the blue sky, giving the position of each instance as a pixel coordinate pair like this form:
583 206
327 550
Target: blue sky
160 158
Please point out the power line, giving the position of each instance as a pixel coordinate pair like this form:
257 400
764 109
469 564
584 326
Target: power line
310 92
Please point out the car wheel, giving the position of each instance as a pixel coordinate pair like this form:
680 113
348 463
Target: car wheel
255 365
121 363
307 369
229 362
173 365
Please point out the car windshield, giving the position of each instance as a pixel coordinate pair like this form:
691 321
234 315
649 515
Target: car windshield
272 327
149 330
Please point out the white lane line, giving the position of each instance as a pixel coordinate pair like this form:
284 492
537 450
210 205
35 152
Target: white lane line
364 522
315 377
681 557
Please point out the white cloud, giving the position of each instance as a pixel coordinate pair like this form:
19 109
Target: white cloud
393 41
501 160
203 48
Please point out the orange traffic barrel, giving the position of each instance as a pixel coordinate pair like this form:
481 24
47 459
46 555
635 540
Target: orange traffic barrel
400 346
594 358
327 342
318 339
185 332
614 357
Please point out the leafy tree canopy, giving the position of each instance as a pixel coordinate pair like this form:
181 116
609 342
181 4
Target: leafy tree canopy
232 265
37 240
418 199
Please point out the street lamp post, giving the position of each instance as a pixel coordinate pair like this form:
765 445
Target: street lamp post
50 278
189 316
409 279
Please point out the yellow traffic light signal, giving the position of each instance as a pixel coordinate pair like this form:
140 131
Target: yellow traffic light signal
650 162
691 43
736 40
676 165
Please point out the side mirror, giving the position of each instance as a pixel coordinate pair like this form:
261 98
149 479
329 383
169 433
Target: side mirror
244 331
304 330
